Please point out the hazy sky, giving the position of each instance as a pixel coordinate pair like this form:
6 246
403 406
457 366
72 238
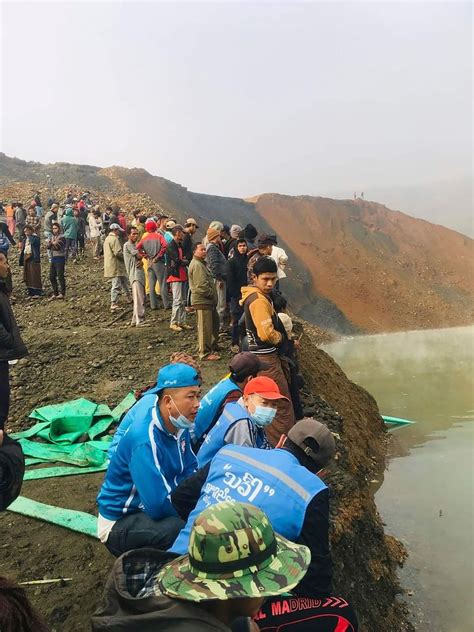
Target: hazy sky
243 98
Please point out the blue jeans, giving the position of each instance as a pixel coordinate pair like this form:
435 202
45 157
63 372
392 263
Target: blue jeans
138 530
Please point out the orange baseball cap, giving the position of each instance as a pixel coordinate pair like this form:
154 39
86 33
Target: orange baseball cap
265 387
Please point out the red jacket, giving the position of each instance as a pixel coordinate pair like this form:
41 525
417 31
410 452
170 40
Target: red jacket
122 221
152 245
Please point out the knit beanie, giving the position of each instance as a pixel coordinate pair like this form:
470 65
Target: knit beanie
250 231
217 225
235 229
212 233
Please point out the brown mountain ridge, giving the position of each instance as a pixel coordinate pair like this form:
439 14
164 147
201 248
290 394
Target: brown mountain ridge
355 265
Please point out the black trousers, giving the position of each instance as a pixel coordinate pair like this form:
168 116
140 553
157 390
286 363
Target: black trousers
138 530
4 392
56 273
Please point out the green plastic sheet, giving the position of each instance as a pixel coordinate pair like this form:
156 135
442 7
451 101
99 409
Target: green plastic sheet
52 472
68 518
68 422
82 454
71 434
65 429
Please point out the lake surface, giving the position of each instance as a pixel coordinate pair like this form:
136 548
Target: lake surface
426 496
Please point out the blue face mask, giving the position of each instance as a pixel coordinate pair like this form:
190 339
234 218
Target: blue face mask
181 422
263 416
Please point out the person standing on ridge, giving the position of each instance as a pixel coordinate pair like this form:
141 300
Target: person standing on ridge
69 225
12 346
136 275
114 267
20 220
236 279
57 247
266 334
281 259
265 245
95 230
30 261
153 247
177 277
217 265
190 229
204 302
51 216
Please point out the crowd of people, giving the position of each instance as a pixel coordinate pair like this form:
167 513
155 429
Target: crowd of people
216 507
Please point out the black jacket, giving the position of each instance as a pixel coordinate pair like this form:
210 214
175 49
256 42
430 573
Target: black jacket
236 274
12 468
176 260
187 247
12 346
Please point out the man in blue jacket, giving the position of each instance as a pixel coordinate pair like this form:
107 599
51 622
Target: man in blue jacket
243 422
283 483
243 367
152 458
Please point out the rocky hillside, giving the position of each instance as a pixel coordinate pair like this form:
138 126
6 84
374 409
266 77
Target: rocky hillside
77 349
355 266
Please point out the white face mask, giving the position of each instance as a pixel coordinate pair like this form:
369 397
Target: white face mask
181 422
263 416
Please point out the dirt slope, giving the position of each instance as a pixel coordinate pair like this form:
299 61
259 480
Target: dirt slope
353 265
76 351
385 270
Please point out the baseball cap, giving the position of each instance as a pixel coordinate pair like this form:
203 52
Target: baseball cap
309 428
170 224
191 222
265 387
246 363
264 240
233 553
116 226
175 376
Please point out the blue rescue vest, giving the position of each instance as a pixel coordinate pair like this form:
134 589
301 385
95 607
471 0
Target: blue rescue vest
272 480
215 439
210 406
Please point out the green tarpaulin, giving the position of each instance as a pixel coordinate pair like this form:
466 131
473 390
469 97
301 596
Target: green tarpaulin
69 518
69 431
52 472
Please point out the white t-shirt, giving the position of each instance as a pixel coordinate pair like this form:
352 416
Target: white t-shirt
104 527
281 259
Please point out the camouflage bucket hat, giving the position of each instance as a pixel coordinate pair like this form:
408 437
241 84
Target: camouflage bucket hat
234 552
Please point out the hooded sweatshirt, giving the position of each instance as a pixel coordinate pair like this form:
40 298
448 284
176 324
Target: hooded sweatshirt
131 604
261 321
69 224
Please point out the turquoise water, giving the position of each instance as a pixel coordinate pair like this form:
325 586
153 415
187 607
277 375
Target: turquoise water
426 496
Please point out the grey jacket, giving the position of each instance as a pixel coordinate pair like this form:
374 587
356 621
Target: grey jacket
216 262
134 271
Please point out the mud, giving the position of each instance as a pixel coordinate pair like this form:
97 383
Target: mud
76 350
